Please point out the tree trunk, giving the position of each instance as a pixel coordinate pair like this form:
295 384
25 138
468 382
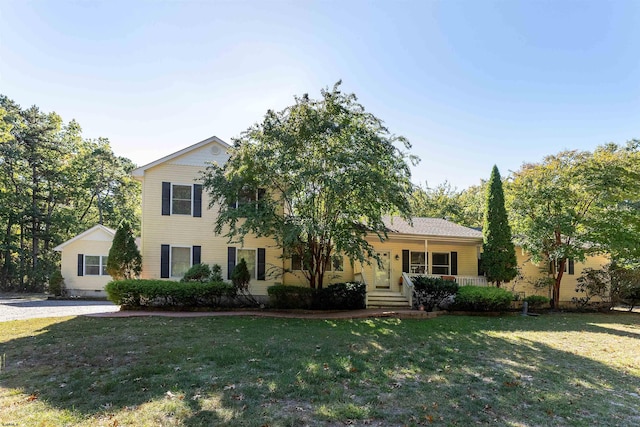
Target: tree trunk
556 284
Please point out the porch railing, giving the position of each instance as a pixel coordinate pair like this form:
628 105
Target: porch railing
461 280
407 288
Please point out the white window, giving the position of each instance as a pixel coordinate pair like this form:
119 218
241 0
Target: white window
336 264
181 196
296 262
95 265
180 260
440 263
418 263
249 256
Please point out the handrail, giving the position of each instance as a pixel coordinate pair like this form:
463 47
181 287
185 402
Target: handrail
407 288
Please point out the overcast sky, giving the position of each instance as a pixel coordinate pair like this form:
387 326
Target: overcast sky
470 83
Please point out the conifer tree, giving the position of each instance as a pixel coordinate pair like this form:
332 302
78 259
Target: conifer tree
125 261
499 255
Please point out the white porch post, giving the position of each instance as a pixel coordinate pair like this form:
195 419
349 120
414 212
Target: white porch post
426 257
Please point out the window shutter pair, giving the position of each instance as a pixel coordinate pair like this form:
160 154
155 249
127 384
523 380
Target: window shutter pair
231 262
197 199
165 273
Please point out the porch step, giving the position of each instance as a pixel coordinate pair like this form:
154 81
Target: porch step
386 299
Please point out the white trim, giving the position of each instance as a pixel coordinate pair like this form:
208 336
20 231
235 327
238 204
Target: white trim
255 260
171 276
171 198
100 265
426 261
139 172
84 234
441 265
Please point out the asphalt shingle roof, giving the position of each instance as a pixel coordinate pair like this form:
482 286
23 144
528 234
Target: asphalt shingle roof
430 227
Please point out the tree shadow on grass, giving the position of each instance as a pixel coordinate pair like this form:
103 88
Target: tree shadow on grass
248 371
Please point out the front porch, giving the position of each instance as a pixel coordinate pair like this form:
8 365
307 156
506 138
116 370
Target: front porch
388 298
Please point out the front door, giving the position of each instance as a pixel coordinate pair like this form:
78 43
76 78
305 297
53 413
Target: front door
382 272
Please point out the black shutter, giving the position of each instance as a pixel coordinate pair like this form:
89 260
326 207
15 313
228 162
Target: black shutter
80 265
195 252
261 263
571 266
454 263
231 260
164 261
166 199
197 200
405 261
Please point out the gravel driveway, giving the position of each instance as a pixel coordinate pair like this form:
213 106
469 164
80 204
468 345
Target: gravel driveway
17 308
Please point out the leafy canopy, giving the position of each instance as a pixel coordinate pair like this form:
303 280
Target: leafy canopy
574 204
498 253
317 176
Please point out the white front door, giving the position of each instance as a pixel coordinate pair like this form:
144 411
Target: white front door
382 272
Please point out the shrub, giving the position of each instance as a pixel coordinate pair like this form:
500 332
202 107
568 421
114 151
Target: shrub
157 293
240 277
197 273
216 273
432 292
283 296
625 285
593 283
124 261
340 296
480 298
56 283
537 301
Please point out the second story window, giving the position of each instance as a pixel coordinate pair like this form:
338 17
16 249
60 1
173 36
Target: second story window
181 199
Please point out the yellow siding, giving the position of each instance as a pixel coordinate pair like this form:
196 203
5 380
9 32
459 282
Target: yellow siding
467 257
185 230
530 273
83 285
297 277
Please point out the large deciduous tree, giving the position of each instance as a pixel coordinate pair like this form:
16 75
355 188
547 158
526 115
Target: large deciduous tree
498 253
324 171
574 204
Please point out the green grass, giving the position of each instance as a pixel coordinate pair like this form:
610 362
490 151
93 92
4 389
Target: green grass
556 370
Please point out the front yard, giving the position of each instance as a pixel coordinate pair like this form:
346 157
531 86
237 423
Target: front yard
557 369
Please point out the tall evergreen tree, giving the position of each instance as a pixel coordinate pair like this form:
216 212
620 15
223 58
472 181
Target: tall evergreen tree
499 255
125 261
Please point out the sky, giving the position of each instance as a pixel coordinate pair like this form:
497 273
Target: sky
470 83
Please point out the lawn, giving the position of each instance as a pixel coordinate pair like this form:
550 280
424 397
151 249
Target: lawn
556 370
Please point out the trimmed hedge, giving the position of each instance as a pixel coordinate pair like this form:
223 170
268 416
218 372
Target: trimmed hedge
481 298
537 301
156 293
284 296
339 296
432 292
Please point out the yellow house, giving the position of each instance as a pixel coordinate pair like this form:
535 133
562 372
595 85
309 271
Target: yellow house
84 262
178 225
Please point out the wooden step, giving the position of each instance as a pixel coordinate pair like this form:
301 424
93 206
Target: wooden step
386 299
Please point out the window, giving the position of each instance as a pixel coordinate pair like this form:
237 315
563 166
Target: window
418 263
249 256
181 199
180 260
296 262
440 263
336 264
95 265
247 197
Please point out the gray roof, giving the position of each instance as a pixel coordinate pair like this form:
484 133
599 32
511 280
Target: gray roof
430 227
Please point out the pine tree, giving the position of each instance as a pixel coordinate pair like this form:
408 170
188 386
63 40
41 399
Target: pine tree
125 261
499 255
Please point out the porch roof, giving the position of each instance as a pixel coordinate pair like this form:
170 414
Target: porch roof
436 227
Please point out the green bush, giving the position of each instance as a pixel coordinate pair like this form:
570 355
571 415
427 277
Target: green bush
283 296
56 283
481 298
197 273
164 293
432 292
340 296
537 301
